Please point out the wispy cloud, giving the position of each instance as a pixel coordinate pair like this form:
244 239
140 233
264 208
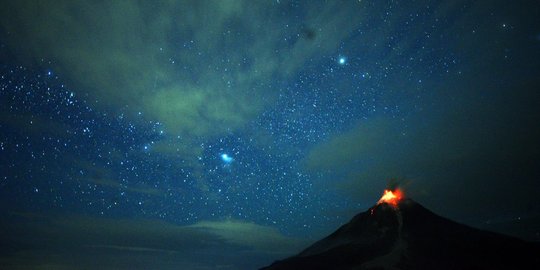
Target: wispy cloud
470 146
80 242
202 68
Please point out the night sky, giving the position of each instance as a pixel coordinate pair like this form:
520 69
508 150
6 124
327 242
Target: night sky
228 134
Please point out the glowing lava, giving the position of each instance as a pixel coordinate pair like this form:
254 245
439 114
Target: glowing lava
391 197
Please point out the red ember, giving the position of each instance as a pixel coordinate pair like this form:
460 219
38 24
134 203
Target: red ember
391 197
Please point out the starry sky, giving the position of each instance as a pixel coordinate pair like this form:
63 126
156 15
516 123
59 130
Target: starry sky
228 134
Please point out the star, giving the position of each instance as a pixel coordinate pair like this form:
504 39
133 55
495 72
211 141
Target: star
342 60
147 147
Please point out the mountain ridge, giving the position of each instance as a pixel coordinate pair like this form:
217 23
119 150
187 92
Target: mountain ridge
409 236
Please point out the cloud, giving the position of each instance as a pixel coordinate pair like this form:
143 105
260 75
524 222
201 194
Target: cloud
99 174
263 238
361 161
81 242
472 157
202 68
140 188
34 125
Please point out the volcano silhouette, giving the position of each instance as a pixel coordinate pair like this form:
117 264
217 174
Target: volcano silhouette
409 236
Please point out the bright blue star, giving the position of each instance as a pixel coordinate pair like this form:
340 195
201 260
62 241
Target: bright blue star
226 158
147 147
342 60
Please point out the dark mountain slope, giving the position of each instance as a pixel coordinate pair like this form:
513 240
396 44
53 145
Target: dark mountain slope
408 236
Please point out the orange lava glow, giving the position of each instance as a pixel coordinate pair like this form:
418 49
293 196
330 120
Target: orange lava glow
391 197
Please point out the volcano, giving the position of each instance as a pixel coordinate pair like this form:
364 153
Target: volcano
399 233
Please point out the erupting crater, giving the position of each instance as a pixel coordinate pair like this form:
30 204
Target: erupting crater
391 197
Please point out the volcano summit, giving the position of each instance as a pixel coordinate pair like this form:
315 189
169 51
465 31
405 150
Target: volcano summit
399 233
